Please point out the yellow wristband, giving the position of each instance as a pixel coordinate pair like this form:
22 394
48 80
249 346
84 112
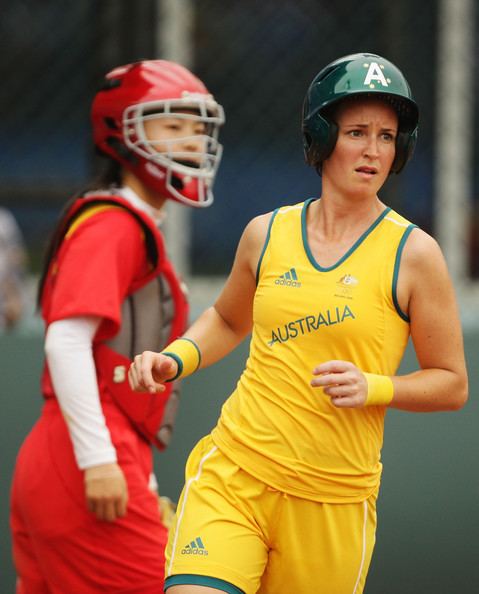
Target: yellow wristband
187 355
380 389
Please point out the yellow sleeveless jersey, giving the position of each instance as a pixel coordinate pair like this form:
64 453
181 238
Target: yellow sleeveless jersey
275 425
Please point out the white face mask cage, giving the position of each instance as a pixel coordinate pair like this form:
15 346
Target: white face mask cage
188 165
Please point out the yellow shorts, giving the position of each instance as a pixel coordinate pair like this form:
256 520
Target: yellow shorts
234 533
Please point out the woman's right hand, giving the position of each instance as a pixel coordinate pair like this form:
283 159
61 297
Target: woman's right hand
149 371
106 491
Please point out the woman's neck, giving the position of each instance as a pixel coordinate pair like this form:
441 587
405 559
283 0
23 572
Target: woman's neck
336 216
142 191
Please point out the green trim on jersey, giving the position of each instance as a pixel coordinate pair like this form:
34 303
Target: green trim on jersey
266 241
351 249
397 264
184 579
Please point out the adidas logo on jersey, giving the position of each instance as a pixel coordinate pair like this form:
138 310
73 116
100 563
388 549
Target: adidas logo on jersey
196 547
288 279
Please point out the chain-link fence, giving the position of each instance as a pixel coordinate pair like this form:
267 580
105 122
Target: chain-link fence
259 58
256 57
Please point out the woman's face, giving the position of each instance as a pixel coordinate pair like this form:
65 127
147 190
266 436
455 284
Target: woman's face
365 148
179 136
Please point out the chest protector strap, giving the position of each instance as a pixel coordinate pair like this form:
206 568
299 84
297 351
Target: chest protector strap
154 313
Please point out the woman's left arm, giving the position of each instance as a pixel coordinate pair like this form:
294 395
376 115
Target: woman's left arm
426 292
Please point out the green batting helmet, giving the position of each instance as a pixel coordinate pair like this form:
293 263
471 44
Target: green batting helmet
357 74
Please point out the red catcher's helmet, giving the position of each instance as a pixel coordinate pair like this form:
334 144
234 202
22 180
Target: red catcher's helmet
135 93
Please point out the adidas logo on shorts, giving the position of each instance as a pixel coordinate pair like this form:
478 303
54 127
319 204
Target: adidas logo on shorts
196 547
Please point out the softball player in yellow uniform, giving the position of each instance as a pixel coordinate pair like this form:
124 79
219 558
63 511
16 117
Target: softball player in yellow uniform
281 497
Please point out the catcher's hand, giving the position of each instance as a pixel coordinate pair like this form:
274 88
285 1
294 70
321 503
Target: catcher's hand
106 491
167 510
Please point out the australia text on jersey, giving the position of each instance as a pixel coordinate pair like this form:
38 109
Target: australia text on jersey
311 323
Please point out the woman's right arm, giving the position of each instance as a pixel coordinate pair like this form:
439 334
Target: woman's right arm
220 328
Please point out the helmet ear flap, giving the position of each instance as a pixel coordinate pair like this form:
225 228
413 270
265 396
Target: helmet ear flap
405 144
319 139
124 154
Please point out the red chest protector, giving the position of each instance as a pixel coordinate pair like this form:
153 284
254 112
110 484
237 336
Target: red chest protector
154 312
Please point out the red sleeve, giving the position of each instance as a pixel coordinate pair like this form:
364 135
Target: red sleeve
97 266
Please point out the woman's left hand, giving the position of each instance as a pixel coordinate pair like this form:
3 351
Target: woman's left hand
106 491
343 382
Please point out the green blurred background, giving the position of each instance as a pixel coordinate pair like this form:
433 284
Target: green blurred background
427 540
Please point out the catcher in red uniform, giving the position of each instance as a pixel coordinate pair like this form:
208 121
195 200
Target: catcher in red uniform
85 516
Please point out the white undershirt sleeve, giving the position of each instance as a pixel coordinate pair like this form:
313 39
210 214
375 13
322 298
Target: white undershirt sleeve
69 353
